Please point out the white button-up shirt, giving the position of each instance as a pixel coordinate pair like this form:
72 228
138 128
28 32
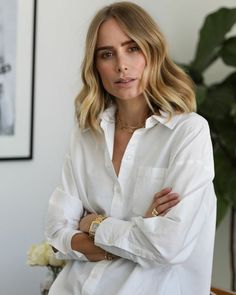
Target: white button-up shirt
163 255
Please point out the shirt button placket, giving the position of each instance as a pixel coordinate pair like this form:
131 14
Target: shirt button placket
116 207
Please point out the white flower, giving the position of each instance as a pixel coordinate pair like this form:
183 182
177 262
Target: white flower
43 255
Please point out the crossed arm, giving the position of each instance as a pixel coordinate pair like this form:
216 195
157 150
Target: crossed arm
162 201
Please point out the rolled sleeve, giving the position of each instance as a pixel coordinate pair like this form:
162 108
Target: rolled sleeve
113 235
64 212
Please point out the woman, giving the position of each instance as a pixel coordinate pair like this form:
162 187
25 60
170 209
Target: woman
137 133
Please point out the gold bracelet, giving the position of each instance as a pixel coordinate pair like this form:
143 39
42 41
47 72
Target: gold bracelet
108 256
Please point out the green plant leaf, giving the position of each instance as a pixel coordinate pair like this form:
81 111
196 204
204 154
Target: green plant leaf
196 76
230 81
228 52
233 112
222 208
225 174
218 102
212 34
227 136
201 93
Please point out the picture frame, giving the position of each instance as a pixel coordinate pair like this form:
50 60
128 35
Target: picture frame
17 78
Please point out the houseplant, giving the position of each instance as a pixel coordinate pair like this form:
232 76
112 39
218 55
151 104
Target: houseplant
217 103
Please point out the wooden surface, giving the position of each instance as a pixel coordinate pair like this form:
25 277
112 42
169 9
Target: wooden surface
222 292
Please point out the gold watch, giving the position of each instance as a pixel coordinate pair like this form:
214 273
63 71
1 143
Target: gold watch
95 224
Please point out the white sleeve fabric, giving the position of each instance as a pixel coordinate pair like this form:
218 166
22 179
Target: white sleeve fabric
64 212
170 239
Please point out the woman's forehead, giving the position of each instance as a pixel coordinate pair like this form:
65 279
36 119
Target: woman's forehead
110 32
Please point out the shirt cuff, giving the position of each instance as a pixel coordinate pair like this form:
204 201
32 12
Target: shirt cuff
64 247
63 241
123 239
112 231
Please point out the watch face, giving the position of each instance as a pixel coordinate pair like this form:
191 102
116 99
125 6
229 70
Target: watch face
94 227
95 224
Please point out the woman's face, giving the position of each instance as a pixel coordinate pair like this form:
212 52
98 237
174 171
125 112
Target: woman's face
119 62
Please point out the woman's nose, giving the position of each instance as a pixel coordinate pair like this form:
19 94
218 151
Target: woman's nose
121 68
121 65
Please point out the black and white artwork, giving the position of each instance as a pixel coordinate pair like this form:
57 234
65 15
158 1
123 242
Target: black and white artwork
17 56
8 11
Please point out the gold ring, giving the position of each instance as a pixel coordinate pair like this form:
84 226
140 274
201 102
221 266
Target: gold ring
108 256
155 212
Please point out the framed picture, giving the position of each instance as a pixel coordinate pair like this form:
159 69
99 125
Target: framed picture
17 68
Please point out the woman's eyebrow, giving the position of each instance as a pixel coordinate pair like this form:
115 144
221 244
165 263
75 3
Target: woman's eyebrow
112 47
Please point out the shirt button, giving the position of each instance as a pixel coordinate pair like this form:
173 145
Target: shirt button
110 241
129 157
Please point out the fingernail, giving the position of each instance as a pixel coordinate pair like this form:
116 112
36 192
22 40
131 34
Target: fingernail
175 195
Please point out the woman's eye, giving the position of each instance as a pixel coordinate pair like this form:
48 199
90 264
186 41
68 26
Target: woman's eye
134 48
106 55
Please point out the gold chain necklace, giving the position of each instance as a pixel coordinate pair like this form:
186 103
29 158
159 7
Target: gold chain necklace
128 128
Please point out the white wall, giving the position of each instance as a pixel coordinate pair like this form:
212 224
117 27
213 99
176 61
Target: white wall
26 186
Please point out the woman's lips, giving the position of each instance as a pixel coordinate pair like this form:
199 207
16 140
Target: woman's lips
125 82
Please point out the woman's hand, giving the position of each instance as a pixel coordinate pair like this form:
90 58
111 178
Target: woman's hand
82 243
163 201
86 221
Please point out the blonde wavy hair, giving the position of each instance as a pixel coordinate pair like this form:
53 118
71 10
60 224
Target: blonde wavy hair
165 86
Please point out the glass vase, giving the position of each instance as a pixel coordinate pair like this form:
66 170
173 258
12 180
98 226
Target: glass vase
50 277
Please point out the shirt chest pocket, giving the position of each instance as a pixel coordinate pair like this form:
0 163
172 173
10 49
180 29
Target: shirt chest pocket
148 182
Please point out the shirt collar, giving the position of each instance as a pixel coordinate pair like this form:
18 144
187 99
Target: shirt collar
109 116
164 120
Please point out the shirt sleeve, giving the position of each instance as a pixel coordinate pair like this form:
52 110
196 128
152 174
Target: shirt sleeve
170 239
64 212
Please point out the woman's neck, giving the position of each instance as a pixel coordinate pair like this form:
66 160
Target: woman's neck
132 113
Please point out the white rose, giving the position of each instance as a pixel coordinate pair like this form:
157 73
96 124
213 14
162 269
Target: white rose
43 254
38 255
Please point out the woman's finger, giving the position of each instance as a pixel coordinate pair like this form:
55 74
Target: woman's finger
162 202
164 208
164 199
162 193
